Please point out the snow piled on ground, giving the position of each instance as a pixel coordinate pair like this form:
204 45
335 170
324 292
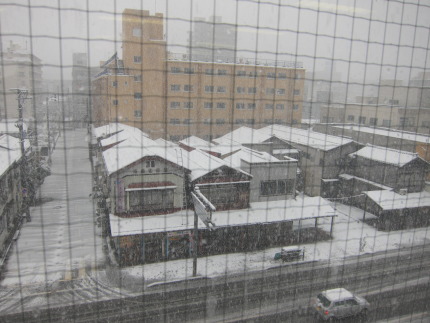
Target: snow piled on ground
351 237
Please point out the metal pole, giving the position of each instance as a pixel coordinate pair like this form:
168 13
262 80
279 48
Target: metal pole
49 134
196 237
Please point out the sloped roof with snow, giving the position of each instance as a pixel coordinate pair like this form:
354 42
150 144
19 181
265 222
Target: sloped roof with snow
250 156
389 200
386 155
305 137
242 135
405 135
112 128
122 135
197 142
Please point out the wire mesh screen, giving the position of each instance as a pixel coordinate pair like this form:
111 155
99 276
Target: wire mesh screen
209 161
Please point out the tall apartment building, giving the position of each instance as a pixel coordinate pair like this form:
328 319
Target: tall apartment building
19 69
174 95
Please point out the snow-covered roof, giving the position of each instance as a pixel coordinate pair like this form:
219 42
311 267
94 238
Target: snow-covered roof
416 137
10 151
259 212
389 200
338 294
122 135
165 143
197 142
250 156
8 126
112 128
305 137
132 150
386 155
242 135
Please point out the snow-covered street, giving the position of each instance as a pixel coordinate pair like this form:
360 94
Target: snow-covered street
61 237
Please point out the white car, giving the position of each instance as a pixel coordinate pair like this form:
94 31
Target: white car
338 303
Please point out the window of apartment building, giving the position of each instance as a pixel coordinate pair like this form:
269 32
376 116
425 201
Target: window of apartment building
373 121
280 91
362 120
295 121
386 123
175 105
175 70
295 107
115 102
188 70
296 92
280 106
188 105
175 87
125 83
270 90
269 106
187 121
241 73
394 102
253 74
188 88
220 105
425 124
209 88
252 90
297 76
138 78
267 121
240 106
175 121
278 121
250 121
207 121
115 83
350 118
282 75
137 59
239 121
221 89
240 89
220 121
137 113
271 75
209 71
138 96
208 105
222 72
251 106
137 32
276 187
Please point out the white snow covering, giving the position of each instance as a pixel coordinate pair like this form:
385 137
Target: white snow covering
10 151
259 212
242 135
9 126
197 142
388 133
112 128
389 200
386 155
249 156
348 177
305 137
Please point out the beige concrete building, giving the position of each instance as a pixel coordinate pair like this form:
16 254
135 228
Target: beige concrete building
174 96
19 69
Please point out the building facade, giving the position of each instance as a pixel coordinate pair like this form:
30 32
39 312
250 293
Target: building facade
19 69
177 95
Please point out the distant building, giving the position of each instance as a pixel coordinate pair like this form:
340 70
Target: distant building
175 95
19 69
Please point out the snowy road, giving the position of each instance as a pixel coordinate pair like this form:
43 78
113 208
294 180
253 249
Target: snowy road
61 241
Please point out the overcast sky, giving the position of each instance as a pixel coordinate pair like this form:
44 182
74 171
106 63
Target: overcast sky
367 39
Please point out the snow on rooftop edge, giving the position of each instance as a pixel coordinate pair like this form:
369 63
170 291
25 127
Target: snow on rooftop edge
259 212
386 155
389 200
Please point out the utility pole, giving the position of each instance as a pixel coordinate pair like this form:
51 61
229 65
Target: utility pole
47 128
22 96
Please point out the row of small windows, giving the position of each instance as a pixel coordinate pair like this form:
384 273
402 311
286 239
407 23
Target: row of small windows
222 89
223 105
241 73
137 78
176 121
